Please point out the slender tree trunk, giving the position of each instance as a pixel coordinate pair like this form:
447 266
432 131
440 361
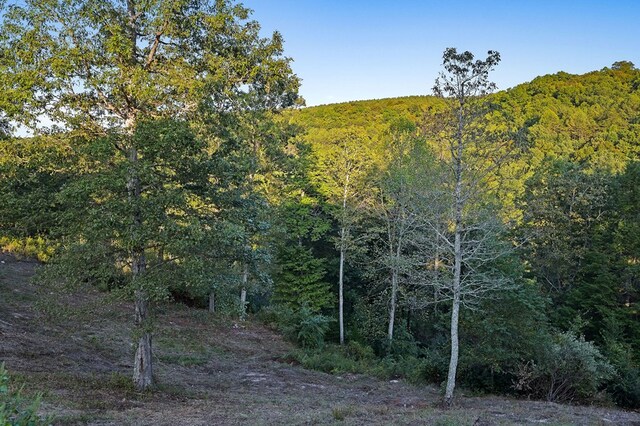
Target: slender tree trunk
341 287
243 292
343 249
458 258
394 288
455 314
392 306
212 301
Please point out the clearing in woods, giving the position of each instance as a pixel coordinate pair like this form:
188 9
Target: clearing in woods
213 371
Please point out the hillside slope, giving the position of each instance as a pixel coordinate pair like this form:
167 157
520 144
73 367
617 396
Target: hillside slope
594 117
75 348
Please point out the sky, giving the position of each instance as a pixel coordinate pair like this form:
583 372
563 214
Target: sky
356 49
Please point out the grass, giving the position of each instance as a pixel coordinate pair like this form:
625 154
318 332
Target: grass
184 360
216 370
341 413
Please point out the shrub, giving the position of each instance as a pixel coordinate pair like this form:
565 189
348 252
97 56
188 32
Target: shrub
571 368
624 385
16 410
331 360
311 328
302 326
34 247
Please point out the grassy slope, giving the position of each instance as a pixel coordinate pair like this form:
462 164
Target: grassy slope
212 371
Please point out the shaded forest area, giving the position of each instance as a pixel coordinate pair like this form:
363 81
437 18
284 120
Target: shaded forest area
366 232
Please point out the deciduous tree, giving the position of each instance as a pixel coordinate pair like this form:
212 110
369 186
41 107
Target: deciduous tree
104 68
466 228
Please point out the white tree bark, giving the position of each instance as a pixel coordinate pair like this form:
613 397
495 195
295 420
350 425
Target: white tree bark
458 258
341 291
343 248
243 292
392 305
212 301
455 313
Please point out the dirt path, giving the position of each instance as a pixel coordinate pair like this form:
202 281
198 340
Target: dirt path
213 371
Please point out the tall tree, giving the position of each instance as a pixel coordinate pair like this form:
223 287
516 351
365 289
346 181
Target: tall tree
401 208
467 230
345 163
100 68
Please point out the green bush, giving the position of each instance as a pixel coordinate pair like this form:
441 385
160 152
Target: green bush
624 385
311 328
359 351
571 368
16 410
360 359
34 247
302 326
330 359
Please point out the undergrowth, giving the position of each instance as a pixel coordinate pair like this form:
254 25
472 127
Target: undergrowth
360 359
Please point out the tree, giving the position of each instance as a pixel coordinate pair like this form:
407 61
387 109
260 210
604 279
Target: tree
565 205
345 163
466 226
299 278
401 208
102 69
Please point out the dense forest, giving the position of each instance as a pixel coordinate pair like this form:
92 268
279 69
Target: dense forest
489 238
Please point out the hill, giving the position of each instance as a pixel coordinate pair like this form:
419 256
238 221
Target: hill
594 117
212 370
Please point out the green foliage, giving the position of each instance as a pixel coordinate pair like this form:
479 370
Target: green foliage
155 154
32 172
299 277
624 385
16 410
499 335
299 280
34 247
360 359
303 326
571 368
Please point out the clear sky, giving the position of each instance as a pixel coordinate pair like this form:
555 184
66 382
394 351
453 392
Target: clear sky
368 49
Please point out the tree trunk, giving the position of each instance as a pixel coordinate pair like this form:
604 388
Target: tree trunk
243 292
142 367
142 363
212 301
394 289
392 307
455 313
341 288
457 267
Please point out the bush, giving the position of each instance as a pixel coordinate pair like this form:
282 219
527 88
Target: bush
16 410
624 385
571 368
331 360
311 328
302 326
360 359
34 247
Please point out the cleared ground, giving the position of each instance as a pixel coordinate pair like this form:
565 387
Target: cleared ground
76 349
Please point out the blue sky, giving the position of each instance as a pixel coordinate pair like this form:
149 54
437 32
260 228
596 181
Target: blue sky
356 49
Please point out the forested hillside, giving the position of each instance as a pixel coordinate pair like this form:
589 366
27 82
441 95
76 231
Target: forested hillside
571 196
477 237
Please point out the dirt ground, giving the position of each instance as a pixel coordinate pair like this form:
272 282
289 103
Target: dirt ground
76 349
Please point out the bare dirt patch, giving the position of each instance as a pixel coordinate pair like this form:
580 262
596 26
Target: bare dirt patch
212 370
